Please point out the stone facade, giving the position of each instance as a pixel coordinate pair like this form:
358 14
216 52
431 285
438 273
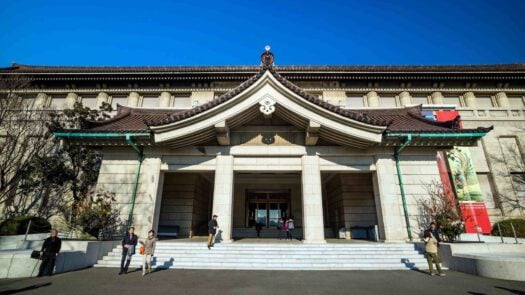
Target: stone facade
338 169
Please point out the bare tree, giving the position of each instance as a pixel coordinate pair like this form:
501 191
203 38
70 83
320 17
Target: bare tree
441 207
24 136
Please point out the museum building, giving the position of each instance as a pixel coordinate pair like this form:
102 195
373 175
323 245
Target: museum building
353 147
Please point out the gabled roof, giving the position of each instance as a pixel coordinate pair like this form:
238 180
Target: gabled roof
178 116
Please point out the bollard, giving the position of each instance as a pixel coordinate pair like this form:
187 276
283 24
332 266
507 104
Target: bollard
478 230
500 234
27 230
514 232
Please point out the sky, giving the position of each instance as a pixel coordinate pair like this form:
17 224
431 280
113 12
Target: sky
170 33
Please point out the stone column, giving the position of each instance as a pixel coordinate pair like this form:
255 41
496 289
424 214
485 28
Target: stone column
223 197
405 98
101 98
40 101
470 99
388 203
502 100
71 99
437 98
133 99
148 195
313 224
164 99
372 99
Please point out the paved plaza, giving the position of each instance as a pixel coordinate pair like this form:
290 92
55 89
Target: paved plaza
106 281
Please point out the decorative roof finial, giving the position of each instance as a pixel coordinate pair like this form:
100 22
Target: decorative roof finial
267 57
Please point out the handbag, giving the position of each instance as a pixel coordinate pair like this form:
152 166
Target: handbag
142 250
36 254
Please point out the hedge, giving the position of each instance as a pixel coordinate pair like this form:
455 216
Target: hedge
18 226
506 229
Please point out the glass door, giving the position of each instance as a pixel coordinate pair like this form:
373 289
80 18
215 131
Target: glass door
274 213
262 214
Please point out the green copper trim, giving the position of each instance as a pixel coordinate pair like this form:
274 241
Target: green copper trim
401 184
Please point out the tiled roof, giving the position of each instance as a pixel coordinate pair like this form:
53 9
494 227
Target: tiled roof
396 120
490 68
399 120
128 120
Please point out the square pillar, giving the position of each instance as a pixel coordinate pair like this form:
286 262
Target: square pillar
223 197
147 198
313 224
390 216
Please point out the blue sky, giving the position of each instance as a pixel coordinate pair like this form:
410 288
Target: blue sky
151 32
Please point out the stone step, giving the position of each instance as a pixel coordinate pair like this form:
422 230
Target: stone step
216 253
265 256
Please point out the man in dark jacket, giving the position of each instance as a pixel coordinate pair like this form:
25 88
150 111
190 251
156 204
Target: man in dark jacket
129 242
212 230
49 253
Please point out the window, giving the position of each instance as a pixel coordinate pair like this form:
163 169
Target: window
486 186
182 102
420 99
516 102
354 101
388 101
27 103
150 102
451 100
121 100
58 102
512 154
89 101
484 101
518 182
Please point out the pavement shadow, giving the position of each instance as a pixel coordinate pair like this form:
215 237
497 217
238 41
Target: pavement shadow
512 291
165 265
28 288
408 264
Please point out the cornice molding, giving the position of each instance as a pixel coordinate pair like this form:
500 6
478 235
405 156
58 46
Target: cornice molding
346 89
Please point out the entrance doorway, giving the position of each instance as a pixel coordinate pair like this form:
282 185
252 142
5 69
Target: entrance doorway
266 207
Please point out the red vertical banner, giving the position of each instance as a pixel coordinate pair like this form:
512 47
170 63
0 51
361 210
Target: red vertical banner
441 160
465 182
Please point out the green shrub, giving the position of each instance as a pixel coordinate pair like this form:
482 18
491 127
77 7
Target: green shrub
506 229
18 226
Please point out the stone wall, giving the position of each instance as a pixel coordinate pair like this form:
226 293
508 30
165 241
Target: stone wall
185 202
350 198
117 176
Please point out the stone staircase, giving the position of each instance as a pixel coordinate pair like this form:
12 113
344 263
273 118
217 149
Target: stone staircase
263 255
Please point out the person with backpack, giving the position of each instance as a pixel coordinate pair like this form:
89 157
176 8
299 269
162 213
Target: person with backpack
290 227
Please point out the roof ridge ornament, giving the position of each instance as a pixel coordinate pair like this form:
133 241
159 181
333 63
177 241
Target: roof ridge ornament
267 58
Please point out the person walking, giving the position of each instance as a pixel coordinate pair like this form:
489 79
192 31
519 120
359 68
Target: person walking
258 228
49 253
212 230
280 228
431 253
129 242
290 227
149 250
